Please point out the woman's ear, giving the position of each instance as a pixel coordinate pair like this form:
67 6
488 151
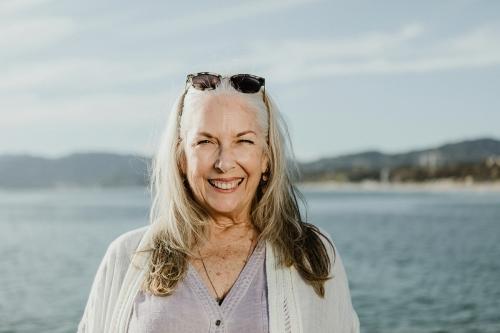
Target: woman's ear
182 163
182 160
264 165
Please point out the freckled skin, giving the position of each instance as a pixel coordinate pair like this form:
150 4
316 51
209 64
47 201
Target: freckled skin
223 264
224 155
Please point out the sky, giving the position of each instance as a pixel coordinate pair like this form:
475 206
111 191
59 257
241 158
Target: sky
350 76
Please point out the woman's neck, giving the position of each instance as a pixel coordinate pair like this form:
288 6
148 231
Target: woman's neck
224 233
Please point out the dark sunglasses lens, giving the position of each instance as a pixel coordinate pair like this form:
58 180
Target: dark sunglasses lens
246 84
205 81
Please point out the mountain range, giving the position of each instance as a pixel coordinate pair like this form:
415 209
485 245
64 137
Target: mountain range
111 170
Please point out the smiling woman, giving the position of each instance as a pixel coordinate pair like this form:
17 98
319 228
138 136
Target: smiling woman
227 249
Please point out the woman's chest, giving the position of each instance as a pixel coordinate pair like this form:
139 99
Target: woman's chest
217 277
192 308
219 268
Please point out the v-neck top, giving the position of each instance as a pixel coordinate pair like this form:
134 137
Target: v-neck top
191 308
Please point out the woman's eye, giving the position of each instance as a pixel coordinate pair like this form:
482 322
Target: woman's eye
247 141
203 142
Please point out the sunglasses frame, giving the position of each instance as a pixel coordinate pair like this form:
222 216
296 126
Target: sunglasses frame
261 80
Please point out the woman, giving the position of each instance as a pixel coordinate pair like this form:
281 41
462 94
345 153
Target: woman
226 249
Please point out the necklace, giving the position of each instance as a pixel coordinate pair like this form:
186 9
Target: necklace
220 299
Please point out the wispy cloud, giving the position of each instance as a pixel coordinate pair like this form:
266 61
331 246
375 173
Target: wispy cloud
21 35
114 109
130 122
23 29
82 74
376 53
202 19
391 52
16 6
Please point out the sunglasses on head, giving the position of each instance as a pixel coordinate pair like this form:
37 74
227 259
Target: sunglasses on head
245 83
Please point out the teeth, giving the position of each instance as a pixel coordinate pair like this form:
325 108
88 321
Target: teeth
224 185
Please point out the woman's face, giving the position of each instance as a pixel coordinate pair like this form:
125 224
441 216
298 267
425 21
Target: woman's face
224 155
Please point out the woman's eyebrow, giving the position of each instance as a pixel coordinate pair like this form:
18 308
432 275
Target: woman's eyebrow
245 132
208 135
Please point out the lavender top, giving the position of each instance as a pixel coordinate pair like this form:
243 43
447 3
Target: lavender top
191 308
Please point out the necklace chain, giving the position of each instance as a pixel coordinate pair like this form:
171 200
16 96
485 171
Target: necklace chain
208 276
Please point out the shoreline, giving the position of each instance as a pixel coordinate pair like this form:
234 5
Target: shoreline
444 185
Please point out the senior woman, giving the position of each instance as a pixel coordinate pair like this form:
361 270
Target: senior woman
226 249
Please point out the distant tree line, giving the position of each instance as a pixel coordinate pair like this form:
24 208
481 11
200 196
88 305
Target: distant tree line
486 170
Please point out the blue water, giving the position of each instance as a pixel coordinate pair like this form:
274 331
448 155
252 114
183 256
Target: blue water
416 261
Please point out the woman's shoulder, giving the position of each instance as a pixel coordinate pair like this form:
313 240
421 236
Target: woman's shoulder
130 237
108 280
324 232
124 245
334 254
336 307
338 271
328 242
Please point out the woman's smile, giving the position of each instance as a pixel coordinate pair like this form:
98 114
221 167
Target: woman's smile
226 185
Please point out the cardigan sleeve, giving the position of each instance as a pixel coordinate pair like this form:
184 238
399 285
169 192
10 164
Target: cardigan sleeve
102 294
105 289
333 313
341 284
108 281
338 287
88 320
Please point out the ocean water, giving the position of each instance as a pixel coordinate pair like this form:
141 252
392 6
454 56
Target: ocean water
416 261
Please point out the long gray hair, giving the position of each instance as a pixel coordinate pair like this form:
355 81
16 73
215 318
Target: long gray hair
179 222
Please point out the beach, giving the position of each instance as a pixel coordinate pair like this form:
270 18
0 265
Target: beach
443 185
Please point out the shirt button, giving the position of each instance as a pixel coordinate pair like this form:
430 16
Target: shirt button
217 322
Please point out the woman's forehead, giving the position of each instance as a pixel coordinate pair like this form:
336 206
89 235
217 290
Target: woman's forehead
236 101
214 110
227 122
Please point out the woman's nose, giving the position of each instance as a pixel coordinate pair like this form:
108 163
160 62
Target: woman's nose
225 160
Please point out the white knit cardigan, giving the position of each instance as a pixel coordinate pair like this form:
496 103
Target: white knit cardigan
294 307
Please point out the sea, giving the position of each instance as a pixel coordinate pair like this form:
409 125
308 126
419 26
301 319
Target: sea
417 261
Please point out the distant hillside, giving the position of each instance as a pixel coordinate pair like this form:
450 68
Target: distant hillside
479 158
80 169
372 163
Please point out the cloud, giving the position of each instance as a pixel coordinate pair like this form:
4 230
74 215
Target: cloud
24 29
392 52
130 122
82 74
21 35
119 110
202 19
408 49
14 6
366 45
403 51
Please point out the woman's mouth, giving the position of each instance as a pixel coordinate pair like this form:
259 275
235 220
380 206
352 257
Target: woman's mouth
225 185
